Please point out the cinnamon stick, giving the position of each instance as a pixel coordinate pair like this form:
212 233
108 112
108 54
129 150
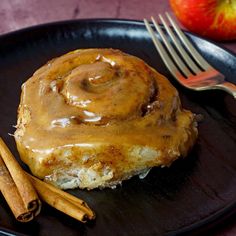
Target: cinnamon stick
62 201
16 187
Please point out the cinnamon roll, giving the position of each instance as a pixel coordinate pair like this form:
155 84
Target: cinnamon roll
94 117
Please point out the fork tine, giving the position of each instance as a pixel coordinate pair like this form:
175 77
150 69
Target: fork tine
202 62
171 50
165 57
182 51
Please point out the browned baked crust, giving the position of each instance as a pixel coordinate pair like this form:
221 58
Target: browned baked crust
94 117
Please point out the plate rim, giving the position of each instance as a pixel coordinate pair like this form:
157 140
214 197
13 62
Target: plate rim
104 20
206 223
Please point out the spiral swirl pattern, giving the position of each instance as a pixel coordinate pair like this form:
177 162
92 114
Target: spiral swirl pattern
99 99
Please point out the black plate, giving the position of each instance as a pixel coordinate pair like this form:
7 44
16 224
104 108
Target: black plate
192 193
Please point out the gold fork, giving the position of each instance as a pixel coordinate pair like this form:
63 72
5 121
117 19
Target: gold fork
197 73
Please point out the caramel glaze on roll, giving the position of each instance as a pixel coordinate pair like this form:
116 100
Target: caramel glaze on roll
94 117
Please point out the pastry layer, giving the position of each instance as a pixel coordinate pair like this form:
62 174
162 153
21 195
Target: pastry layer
94 117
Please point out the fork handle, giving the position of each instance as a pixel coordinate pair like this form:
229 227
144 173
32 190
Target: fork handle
228 87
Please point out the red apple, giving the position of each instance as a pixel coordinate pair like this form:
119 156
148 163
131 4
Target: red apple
215 19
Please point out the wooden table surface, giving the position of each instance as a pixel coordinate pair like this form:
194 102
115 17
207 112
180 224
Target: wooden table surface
17 14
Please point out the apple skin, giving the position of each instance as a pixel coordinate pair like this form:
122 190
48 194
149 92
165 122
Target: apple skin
215 19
